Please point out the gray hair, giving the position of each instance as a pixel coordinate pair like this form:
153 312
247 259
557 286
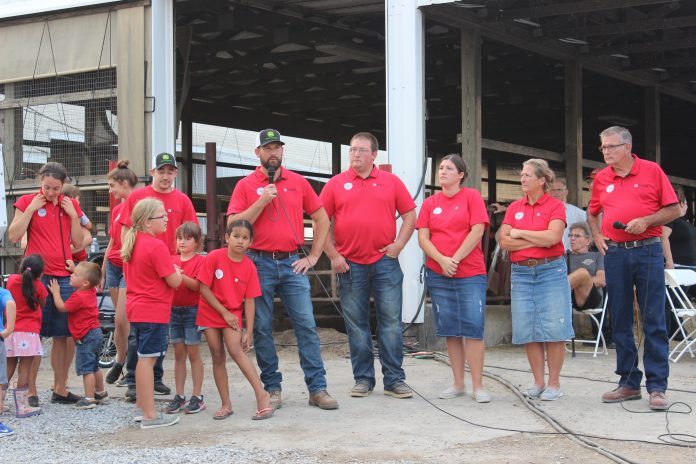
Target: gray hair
620 131
581 225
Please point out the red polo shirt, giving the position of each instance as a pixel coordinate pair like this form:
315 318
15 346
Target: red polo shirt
83 313
231 282
272 230
643 192
183 296
364 212
521 215
449 220
148 296
177 205
114 255
49 234
28 319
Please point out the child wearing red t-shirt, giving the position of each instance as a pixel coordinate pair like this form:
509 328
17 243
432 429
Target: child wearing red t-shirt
152 278
23 346
183 331
228 279
83 323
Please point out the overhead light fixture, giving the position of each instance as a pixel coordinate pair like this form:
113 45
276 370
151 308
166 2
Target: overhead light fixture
526 22
618 120
620 56
353 52
469 5
658 69
573 41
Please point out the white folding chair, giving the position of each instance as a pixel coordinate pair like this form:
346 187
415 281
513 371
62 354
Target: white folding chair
593 314
682 308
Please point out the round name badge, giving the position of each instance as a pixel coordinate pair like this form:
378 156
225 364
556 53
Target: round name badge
219 274
610 188
348 186
437 210
519 215
259 191
41 212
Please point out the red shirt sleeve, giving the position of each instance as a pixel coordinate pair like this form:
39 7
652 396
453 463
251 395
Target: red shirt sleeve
404 202
238 201
310 200
327 197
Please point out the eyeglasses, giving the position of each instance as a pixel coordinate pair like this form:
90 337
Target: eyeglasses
362 151
578 236
558 190
609 147
164 216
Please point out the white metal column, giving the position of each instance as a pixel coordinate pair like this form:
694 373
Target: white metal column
406 126
162 78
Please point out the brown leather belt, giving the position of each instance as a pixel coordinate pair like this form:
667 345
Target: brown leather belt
531 262
277 255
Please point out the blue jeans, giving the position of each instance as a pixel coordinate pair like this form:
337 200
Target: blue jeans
382 280
277 275
644 268
132 359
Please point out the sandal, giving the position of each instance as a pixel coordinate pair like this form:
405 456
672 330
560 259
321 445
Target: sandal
223 413
264 413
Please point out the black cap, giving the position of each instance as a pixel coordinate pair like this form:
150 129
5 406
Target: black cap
165 159
267 136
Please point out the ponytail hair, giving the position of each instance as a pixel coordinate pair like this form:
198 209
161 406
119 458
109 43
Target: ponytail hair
123 173
30 269
142 212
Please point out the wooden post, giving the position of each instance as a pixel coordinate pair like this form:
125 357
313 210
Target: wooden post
212 240
335 158
471 105
652 124
573 131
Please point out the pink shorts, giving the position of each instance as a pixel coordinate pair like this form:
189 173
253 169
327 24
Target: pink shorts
21 344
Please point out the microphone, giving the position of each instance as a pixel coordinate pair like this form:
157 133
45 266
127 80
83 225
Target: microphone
271 174
620 225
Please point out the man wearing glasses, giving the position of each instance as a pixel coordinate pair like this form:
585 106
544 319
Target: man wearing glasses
559 190
364 249
636 199
178 209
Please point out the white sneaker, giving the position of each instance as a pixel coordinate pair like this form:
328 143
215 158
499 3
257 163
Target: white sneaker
137 415
161 420
482 396
451 392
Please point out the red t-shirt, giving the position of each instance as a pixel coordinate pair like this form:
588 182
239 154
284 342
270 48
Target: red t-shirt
449 220
148 296
83 313
49 234
364 212
177 205
521 215
28 319
644 191
272 230
114 254
183 296
231 282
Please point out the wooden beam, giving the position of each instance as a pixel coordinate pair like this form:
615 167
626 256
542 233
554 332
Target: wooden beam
652 124
573 8
573 131
71 97
627 27
471 105
644 47
530 152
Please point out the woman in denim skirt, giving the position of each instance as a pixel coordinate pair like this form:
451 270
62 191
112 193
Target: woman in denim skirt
541 309
450 226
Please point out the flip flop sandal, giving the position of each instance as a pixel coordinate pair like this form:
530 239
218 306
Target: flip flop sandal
264 413
222 413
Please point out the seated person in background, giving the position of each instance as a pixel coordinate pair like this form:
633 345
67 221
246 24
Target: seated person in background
586 273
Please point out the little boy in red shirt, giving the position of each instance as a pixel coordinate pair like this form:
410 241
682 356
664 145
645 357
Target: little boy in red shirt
83 323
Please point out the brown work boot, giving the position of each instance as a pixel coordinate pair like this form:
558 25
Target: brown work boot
621 394
658 401
322 400
276 400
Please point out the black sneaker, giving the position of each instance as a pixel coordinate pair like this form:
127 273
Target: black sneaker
86 403
100 397
195 405
162 389
114 373
34 401
70 398
175 404
130 393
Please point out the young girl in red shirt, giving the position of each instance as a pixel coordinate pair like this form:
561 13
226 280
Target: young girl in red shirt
152 278
228 279
24 344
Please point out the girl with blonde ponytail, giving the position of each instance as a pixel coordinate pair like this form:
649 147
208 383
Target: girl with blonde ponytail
152 278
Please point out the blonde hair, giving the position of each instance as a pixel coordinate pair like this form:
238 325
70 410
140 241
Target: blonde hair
142 212
542 171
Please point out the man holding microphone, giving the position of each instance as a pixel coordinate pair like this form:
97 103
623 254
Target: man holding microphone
636 199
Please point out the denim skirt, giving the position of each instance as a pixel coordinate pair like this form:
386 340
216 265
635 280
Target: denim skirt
541 308
458 304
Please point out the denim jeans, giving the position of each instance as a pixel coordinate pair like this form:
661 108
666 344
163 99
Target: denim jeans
382 280
644 268
132 359
277 275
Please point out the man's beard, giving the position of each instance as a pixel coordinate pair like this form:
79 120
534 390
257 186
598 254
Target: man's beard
274 162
